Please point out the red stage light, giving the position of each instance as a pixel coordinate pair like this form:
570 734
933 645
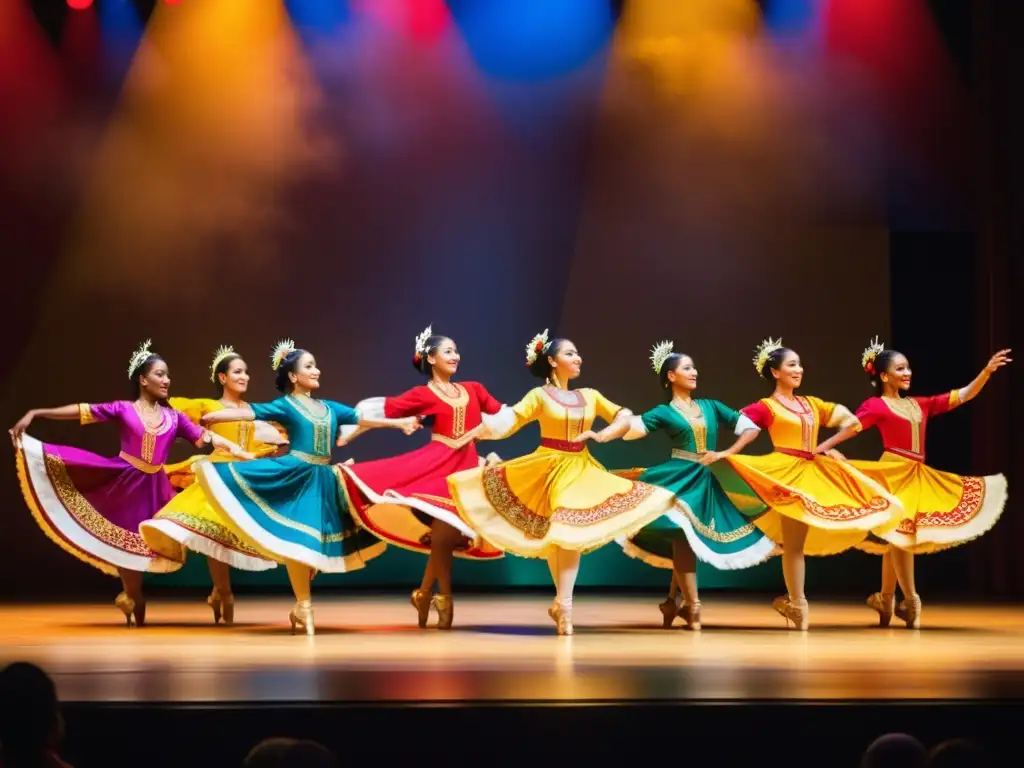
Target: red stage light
79 5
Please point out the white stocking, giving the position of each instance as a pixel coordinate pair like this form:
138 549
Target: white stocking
565 566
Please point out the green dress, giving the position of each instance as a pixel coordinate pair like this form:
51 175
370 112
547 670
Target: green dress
294 507
714 508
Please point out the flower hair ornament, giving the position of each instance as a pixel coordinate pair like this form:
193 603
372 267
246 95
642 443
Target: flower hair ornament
219 356
421 344
867 359
139 357
659 354
537 345
283 348
765 350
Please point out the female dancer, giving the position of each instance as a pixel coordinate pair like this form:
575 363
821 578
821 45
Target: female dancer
558 502
941 509
91 506
188 521
817 504
404 500
706 521
292 508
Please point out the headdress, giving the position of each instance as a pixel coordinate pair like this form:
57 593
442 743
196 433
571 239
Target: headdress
659 354
421 344
218 357
283 348
536 346
867 359
139 357
765 350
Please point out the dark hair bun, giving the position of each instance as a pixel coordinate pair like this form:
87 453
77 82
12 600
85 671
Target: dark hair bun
419 360
773 362
281 381
540 367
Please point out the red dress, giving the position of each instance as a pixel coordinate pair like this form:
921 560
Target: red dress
397 498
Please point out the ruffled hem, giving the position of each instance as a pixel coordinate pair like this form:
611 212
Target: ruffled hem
759 552
218 494
171 539
62 528
403 529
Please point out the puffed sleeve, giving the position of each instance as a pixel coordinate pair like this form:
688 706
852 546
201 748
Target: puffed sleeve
412 402
759 414
508 421
186 430
834 414
276 410
647 422
345 414
871 412
93 413
733 419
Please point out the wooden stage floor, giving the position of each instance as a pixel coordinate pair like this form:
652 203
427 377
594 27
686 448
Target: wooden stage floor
504 649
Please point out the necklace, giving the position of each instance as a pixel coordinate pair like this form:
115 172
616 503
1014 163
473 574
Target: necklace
449 390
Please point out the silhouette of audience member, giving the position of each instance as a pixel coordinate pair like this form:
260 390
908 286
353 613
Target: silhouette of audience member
958 753
293 753
895 750
31 726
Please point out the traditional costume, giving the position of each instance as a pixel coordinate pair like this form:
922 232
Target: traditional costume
293 507
189 521
714 509
397 498
559 495
839 503
92 506
940 509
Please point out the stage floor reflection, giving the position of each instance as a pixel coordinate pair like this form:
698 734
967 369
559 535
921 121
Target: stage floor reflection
504 649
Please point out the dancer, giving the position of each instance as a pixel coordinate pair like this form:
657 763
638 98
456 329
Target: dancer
817 504
292 508
558 502
708 521
941 510
404 500
92 506
188 521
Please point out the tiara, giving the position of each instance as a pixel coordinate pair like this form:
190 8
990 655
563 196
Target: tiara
421 343
139 357
536 346
659 354
283 348
867 359
218 357
765 350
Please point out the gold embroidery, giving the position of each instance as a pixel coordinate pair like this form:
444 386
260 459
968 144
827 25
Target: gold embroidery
211 530
86 515
245 430
508 505
697 424
954 399
909 409
679 453
463 441
971 500
835 513
85 415
280 519
321 424
709 532
613 505
808 421
310 458
148 445
139 464
458 405
575 405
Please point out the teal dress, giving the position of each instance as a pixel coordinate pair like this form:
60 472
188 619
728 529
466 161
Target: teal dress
714 508
294 507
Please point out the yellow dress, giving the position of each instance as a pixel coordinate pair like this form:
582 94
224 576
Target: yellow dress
840 504
559 495
189 521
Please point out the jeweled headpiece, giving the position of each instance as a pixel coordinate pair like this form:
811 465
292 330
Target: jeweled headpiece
765 350
536 346
284 348
421 344
659 354
867 359
218 357
139 357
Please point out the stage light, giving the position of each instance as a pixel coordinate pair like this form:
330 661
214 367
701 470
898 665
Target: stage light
79 5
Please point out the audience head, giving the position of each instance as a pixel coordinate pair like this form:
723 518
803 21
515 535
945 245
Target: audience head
30 719
894 750
289 753
958 753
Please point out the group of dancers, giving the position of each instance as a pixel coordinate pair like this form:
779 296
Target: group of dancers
268 493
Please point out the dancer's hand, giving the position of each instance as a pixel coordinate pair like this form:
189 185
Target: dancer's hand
19 429
711 457
832 453
999 359
492 459
582 437
410 424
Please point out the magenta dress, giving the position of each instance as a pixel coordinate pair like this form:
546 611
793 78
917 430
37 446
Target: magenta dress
91 506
